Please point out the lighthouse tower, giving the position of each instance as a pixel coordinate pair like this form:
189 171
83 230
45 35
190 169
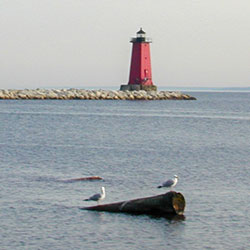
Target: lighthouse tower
140 77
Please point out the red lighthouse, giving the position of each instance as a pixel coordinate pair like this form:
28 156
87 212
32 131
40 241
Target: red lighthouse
140 77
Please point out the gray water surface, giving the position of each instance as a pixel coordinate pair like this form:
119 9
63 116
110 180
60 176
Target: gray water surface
133 146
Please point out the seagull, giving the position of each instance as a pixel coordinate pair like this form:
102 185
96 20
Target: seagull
97 197
170 183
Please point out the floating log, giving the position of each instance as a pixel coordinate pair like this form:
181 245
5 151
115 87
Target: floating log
90 178
170 203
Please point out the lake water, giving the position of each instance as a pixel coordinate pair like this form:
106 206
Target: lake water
133 146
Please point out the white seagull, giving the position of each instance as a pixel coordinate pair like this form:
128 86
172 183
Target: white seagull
170 183
97 197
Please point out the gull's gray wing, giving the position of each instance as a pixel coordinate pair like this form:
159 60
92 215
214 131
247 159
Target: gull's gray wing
95 197
168 183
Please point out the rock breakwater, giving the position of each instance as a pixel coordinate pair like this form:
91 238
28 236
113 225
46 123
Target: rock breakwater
82 94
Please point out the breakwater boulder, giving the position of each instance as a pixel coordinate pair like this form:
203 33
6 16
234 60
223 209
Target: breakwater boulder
68 94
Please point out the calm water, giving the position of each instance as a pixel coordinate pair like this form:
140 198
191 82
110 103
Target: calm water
134 146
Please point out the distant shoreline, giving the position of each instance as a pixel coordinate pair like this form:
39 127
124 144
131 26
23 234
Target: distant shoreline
160 88
209 89
83 94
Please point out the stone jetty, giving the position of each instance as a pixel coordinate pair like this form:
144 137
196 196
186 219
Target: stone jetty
82 94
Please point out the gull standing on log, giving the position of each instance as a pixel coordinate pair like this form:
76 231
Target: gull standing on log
97 197
170 183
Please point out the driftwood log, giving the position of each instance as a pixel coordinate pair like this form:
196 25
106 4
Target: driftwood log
170 203
90 178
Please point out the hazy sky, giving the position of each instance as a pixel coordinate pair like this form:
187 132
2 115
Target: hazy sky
80 43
